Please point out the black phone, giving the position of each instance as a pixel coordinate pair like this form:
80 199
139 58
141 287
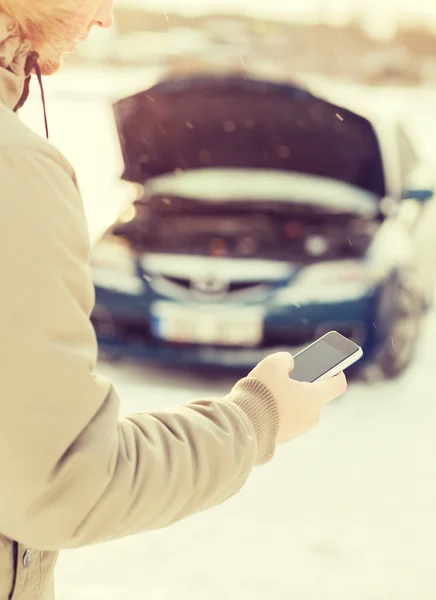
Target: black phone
328 356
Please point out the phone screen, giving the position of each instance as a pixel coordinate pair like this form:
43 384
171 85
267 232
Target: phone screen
319 358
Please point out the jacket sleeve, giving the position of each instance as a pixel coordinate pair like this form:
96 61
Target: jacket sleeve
72 471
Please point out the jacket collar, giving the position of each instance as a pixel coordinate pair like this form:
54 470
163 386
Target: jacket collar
17 61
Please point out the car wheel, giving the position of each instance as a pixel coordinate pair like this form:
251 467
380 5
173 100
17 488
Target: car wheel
399 347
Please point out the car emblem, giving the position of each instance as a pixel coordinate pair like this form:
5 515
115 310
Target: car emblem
210 285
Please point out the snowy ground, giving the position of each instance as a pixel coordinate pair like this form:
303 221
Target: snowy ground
347 512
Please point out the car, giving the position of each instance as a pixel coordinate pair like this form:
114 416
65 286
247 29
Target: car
266 216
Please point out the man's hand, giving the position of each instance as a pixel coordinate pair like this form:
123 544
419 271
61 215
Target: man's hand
299 404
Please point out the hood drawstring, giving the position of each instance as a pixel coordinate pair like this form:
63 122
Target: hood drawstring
44 106
33 65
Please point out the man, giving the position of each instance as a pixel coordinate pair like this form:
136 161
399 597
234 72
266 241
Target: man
71 471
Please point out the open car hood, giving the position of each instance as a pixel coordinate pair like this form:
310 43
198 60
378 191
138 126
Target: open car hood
186 123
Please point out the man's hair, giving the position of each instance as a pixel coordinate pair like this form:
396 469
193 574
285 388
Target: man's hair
43 22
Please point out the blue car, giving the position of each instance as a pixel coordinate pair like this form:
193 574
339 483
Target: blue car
266 217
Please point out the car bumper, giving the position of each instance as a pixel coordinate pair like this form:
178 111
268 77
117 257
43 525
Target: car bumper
289 329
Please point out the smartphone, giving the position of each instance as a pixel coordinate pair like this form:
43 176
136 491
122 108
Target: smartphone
325 358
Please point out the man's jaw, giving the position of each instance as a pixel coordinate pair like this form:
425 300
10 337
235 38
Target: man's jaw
51 61
50 66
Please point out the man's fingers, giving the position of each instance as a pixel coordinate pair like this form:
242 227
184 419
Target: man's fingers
329 389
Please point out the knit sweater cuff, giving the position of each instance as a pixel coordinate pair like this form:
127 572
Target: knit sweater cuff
260 409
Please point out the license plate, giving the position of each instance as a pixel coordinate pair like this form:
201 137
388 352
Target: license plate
220 326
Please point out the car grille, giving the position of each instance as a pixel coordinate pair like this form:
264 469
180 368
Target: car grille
233 286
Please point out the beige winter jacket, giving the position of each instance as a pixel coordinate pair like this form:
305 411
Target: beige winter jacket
72 472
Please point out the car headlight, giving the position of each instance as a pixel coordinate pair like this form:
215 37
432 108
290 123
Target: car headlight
113 267
333 281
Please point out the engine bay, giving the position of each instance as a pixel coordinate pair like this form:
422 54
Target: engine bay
241 230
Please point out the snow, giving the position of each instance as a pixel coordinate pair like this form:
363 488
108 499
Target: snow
348 511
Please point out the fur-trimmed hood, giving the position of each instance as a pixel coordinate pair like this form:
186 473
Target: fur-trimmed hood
15 66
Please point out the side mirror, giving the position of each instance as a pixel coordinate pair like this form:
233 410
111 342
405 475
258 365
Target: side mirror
421 195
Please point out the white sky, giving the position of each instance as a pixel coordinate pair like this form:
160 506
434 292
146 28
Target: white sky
382 10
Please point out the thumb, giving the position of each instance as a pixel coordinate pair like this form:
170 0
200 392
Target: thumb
275 363
330 389
283 360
